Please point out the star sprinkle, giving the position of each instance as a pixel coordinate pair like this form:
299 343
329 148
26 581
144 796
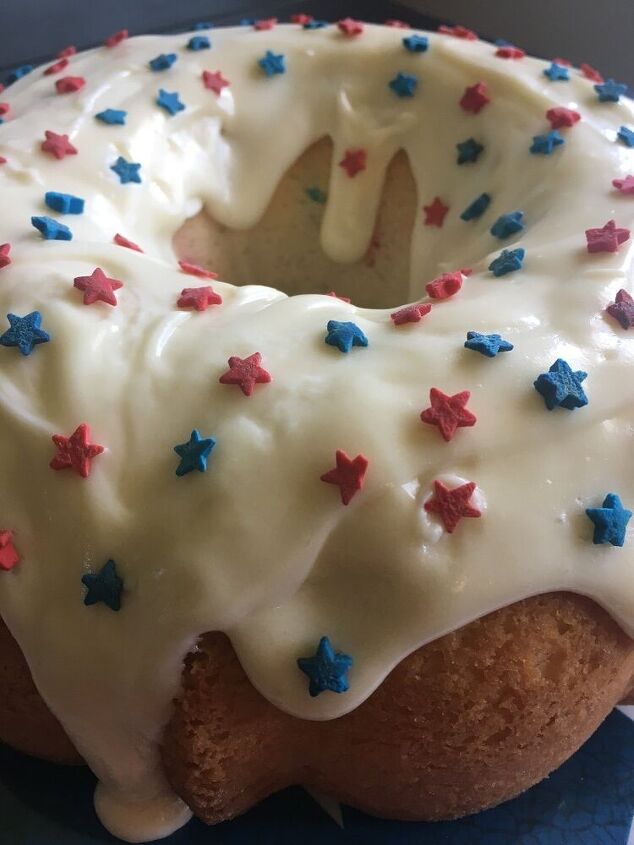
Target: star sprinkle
69 84
5 259
590 73
75 452
354 161
316 195
625 186
335 295
246 373
475 98
610 521
264 24
98 287
57 145
452 505
203 25
56 67
64 203
214 81
127 171
196 270
561 386
169 101
557 73
622 309
508 224
113 117
404 84
18 73
315 24
410 313
198 42
348 475
344 335
301 19
272 63
194 453
416 43
51 230
468 151
349 27
626 135
560 117
508 51
507 261
106 587
448 412
476 208
120 240
435 212
458 32
163 62
116 38
608 238
9 557
66 52
326 670
610 91
545 144
199 298
445 285
24 332
487 344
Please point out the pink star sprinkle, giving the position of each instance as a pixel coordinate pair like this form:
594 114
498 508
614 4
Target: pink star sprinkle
199 298
67 51
410 313
116 38
622 309
458 32
444 286
590 73
354 161
510 52
350 27
606 239
396 24
5 260
3 160
120 240
265 23
215 81
56 67
561 117
625 186
9 556
58 145
75 452
196 270
563 62
475 98
302 19
98 287
435 213
69 84
348 475
246 373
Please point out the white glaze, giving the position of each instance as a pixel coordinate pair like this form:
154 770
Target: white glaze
258 546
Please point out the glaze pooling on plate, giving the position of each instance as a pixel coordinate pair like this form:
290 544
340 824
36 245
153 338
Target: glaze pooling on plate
258 546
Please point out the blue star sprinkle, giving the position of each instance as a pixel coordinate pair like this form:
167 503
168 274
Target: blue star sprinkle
315 25
545 144
18 73
113 117
416 43
508 224
51 230
487 344
25 332
163 62
194 453
64 203
198 42
247 21
404 84
344 335
561 385
105 586
557 73
272 63
610 521
476 208
127 171
326 670
316 195
507 261
626 135
203 25
169 101
610 91
468 151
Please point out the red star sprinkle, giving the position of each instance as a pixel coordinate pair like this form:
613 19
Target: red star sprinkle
302 19
396 24
69 84
445 285
4 109
265 23
348 475
354 161
448 412
56 67
410 313
3 160
564 62
435 212
509 52
622 309
98 286
458 32
120 240
67 51
625 186
452 505
561 117
9 556
196 270
350 27
199 298
215 81
590 73
475 98
606 239
75 452
246 372
5 249
116 38
336 296
58 145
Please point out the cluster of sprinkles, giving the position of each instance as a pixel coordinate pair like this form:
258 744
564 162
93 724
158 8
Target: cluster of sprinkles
560 387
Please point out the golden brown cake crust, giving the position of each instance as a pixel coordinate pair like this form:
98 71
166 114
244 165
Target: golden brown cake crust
463 723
